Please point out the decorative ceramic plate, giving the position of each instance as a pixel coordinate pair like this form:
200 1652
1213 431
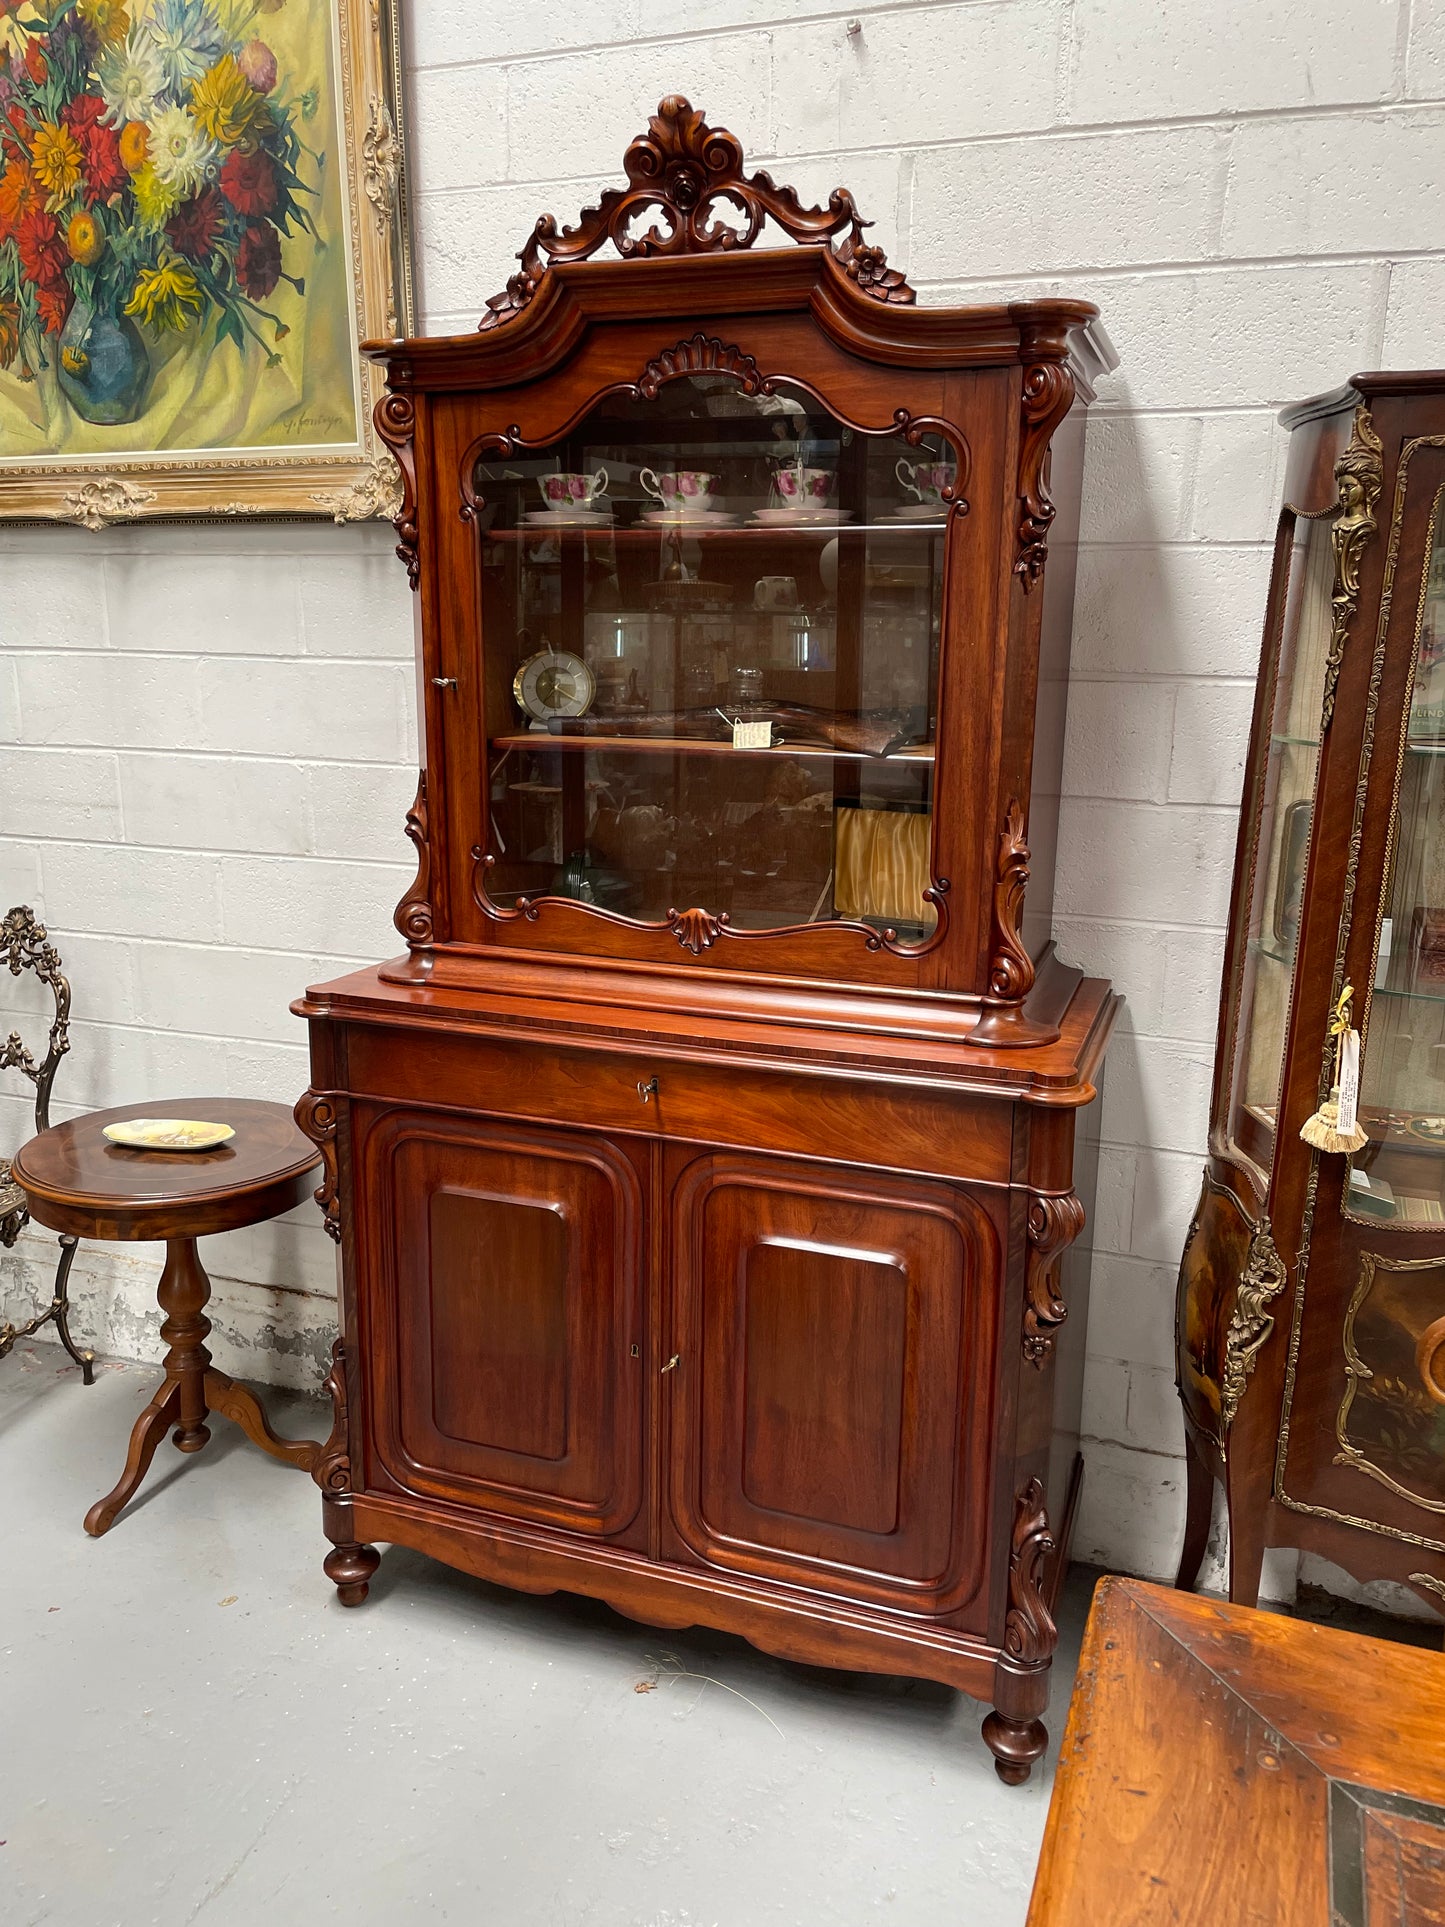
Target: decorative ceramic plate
800 518
568 518
1431 1129
935 512
690 519
167 1134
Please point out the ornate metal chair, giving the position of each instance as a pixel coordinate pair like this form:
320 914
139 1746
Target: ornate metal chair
25 945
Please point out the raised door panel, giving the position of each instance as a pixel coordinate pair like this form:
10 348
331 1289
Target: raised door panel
830 1409
504 1298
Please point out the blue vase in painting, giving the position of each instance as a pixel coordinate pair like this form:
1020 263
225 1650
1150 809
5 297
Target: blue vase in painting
104 367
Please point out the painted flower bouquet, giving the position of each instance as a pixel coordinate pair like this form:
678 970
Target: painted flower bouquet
149 180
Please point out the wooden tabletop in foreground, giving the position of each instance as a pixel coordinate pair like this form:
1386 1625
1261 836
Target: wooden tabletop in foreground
1227 1767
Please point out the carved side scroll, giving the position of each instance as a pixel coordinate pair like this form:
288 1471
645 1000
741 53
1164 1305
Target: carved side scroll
413 914
684 174
1030 1634
1011 968
1251 1321
318 1116
1048 395
395 418
1359 477
1053 1225
332 1467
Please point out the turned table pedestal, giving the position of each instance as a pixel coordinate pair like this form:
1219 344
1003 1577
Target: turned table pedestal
77 1181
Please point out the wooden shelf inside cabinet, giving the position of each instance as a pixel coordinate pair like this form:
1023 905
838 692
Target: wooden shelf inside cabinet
637 532
696 746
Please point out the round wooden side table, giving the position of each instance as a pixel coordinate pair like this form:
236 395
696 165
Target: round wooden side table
76 1180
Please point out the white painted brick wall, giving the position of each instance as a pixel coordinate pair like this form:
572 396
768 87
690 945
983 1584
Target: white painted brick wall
213 729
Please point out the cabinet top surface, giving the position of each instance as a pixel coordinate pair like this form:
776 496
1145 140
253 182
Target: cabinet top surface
597 1010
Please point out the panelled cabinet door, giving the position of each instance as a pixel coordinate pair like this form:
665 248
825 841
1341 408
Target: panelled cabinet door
503 1298
829 1412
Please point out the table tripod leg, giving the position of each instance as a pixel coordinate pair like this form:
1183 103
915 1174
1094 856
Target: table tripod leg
239 1404
184 1291
145 1436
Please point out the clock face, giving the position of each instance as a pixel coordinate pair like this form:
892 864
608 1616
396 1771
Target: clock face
554 683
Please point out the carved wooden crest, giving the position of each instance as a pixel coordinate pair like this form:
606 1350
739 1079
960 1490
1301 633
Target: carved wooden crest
684 174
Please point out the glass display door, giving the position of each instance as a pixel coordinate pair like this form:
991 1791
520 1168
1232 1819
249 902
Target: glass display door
711 626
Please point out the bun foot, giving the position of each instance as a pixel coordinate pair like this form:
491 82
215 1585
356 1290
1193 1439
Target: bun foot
349 1568
1015 1745
190 1438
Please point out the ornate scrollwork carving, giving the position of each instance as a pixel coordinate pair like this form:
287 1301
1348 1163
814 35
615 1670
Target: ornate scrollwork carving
95 505
1359 477
1053 1225
683 173
1011 968
395 418
332 1468
413 914
1030 1634
702 355
381 165
695 930
376 493
1251 1321
319 1118
1048 395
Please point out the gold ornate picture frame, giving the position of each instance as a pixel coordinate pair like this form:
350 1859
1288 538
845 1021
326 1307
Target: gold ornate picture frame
203 212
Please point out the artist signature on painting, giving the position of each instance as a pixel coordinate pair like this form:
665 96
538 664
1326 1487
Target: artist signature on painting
310 426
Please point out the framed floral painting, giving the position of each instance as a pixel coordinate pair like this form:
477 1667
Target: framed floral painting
202 212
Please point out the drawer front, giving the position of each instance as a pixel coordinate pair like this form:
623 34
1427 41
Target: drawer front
817 1114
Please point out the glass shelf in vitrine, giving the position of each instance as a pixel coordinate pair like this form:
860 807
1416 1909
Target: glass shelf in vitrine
752 594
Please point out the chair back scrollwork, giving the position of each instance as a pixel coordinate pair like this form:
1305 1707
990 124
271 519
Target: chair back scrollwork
25 945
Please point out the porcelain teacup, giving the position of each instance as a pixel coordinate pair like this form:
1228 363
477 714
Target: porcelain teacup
567 489
927 480
799 487
683 491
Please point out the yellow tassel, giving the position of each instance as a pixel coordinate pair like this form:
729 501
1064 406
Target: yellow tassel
1322 1128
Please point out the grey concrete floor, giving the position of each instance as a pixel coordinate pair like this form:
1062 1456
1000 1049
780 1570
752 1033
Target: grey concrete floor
194 1730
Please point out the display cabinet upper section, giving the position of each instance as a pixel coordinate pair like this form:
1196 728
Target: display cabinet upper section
727 564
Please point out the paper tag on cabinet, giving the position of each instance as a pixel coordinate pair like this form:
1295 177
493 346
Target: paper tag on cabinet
752 735
1349 1082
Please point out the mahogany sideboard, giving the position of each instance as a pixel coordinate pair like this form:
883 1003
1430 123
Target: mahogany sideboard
712 1174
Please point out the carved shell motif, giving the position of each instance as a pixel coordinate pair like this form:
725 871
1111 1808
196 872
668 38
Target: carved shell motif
695 930
682 176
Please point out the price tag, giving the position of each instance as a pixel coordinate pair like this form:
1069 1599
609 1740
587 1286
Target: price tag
752 735
1349 1081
